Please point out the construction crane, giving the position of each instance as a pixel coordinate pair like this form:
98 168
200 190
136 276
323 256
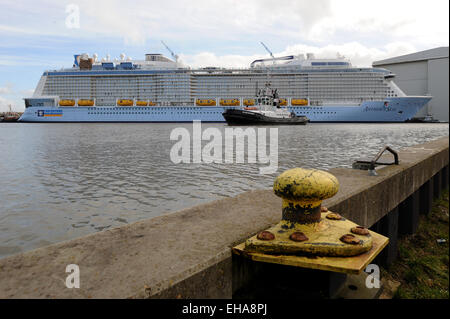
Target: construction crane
171 52
270 52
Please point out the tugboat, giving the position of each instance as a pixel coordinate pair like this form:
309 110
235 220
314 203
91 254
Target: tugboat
266 112
9 116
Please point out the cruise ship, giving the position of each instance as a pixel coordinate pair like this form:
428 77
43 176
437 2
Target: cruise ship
160 89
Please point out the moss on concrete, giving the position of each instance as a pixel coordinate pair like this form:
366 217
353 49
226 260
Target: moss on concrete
422 265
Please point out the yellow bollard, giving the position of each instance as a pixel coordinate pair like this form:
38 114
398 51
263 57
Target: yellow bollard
303 191
309 230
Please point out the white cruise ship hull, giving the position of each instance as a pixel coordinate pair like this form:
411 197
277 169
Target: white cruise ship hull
395 109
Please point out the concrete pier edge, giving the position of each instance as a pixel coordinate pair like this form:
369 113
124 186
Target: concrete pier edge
187 254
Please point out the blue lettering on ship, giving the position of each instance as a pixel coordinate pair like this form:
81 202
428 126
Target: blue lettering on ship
380 109
41 113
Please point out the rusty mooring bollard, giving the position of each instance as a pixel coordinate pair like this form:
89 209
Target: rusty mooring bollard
305 228
308 235
303 191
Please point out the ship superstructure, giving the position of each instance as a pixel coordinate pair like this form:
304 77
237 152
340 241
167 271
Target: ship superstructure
161 89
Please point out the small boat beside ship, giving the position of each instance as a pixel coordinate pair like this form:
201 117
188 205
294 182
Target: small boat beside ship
10 116
268 111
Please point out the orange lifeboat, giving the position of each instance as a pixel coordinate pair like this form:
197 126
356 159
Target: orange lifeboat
125 102
201 102
84 102
67 103
141 103
249 102
299 102
229 102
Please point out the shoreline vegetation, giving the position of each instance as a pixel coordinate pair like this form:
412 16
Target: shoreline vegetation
422 268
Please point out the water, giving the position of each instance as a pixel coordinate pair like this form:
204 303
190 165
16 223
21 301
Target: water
61 181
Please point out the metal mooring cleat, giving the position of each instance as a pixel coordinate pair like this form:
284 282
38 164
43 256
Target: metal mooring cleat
309 230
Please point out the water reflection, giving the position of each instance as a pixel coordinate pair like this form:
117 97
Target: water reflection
61 181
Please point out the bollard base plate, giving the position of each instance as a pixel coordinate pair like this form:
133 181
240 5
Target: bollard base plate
323 238
348 265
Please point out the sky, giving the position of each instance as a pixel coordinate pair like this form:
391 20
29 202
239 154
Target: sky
44 35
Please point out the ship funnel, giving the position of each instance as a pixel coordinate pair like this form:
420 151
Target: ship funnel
76 59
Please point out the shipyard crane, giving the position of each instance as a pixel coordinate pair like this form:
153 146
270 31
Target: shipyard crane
267 49
270 52
171 52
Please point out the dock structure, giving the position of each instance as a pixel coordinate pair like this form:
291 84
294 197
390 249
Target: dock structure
188 253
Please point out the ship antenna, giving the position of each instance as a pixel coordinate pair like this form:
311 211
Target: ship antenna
171 52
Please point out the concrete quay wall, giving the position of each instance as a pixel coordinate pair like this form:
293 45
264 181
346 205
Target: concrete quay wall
187 254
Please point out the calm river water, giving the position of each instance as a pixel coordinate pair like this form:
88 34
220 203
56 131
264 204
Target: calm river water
61 181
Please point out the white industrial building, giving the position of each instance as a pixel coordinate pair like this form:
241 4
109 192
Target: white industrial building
423 73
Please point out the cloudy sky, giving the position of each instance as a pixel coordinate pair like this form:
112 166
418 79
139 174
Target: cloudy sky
40 35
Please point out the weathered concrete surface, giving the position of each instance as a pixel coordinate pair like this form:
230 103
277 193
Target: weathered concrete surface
144 258
366 199
187 254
